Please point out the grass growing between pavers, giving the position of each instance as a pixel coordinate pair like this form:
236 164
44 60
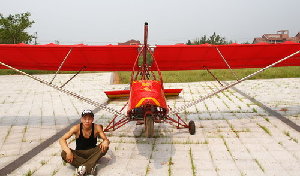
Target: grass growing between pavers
148 165
287 133
259 165
185 142
29 173
24 132
147 169
254 110
267 119
214 165
7 134
54 172
43 162
229 151
233 129
265 129
192 162
226 145
256 161
170 163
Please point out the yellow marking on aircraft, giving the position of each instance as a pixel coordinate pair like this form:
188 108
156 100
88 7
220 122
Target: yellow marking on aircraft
147 98
146 84
146 89
118 96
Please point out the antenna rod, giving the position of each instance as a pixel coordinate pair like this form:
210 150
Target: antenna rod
145 50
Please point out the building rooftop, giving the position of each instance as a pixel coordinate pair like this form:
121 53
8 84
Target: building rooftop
281 36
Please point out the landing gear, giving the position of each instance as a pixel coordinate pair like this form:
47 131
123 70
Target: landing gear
149 126
192 127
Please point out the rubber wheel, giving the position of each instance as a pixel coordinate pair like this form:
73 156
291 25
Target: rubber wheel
192 127
149 126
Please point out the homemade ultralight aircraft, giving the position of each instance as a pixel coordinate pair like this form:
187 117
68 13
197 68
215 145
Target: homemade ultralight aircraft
147 97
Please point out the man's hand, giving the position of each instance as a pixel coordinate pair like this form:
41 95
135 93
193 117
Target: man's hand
64 145
104 146
70 157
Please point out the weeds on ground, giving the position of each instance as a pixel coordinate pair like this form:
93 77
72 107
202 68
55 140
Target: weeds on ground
64 163
170 163
147 169
43 162
265 129
260 166
29 173
54 172
267 119
287 133
226 145
254 110
192 162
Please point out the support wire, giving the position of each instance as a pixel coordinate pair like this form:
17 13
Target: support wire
73 94
62 63
200 99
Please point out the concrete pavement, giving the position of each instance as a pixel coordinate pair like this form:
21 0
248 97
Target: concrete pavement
234 136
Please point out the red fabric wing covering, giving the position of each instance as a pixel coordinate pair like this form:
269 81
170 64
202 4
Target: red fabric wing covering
50 56
195 57
169 57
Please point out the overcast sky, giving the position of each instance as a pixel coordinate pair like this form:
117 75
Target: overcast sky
100 22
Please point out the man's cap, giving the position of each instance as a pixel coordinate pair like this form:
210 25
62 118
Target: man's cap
87 112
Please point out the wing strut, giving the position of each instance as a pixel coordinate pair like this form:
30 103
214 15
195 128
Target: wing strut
236 77
84 67
213 76
200 99
62 63
73 94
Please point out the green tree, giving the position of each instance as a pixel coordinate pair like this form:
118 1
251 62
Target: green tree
12 29
214 39
189 42
246 42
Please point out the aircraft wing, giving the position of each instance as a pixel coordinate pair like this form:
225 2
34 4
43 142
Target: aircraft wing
168 57
50 56
197 57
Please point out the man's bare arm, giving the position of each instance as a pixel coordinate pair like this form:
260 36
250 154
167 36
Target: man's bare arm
104 145
63 139
101 133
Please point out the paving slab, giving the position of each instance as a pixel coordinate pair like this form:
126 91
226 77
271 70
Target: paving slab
234 136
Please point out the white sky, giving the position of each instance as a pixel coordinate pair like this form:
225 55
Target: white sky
170 21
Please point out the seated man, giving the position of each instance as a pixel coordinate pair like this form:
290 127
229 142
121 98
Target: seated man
87 153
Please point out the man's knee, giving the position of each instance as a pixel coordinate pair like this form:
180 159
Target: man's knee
100 150
105 151
63 155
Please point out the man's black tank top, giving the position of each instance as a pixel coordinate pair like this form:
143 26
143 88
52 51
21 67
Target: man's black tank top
83 143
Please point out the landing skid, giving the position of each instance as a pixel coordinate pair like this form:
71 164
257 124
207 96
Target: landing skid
149 121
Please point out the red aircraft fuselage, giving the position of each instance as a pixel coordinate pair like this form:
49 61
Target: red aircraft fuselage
146 93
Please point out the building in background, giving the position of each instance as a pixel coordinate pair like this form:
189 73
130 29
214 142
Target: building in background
131 42
281 36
